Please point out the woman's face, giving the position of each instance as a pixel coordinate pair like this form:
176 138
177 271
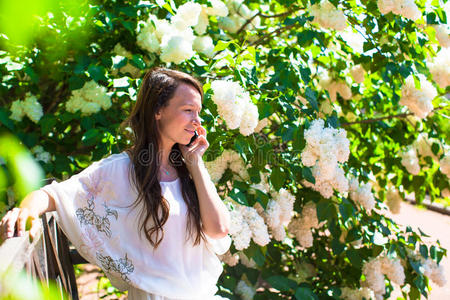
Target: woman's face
178 120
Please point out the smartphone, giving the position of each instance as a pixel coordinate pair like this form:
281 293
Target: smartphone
193 138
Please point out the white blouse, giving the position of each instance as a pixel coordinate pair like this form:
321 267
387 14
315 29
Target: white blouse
95 210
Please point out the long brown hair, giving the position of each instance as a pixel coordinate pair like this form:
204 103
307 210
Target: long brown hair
157 88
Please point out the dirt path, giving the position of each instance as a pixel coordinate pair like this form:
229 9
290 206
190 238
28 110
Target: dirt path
438 227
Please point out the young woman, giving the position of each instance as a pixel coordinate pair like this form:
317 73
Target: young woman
150 216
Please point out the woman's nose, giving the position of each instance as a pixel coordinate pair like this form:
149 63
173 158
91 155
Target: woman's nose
196 120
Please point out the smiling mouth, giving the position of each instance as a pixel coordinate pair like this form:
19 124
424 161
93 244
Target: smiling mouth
190 131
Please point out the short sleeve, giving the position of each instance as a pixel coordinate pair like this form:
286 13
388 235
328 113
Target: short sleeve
71 200
218 246
85 206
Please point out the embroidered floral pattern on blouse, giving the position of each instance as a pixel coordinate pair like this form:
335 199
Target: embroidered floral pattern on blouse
123 266
87 216
91 241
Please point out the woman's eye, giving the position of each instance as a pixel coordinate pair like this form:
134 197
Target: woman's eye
188 110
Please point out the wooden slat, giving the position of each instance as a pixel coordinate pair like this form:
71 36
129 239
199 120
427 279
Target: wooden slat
48 257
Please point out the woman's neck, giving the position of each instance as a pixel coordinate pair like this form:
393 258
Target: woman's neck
166 171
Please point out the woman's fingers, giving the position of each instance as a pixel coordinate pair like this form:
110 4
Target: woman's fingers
18 218
22 221
9 224
35 226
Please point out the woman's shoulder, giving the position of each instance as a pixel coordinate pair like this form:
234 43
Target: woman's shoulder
117 158
111 164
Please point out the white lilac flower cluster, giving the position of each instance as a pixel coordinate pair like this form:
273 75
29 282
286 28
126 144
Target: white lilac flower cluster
410 160
434 271
230 259
445 164
362 194
40 154
325 148
328 16
430 268
357 294
228 159
235 106
246 224
301 227
245 291
30 107
419 101
174 40
375 269
423 145
335 87
238 17
443 34
393 200
89 99
440 68
358 74
278 213
128 68
405 8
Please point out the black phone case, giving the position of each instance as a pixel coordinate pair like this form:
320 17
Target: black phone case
193 139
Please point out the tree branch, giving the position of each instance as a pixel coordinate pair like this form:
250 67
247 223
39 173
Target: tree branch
260 14
278 30
286 13
248 22
404 115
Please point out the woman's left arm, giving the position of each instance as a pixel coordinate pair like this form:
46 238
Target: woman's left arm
214 214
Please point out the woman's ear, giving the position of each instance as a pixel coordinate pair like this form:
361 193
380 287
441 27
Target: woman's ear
158 115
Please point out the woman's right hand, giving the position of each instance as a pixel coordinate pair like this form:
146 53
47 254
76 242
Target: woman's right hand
14 223
18 220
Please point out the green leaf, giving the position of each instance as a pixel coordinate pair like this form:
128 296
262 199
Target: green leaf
307 174
346 209
435 148
238 196
97 73
47 123
138 61
311 96
281 283
305 293
75 83
221 45
337 246
4 118
354 257
91 137
424 251
277 178
325 210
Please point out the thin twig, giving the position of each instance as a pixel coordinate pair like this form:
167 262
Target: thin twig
286 13
278 30
248 22
404 115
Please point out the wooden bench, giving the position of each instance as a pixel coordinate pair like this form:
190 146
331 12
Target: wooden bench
48 257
